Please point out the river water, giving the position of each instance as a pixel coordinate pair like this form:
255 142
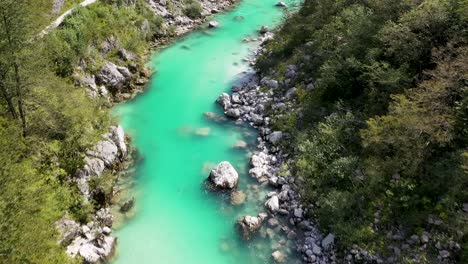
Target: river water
177 220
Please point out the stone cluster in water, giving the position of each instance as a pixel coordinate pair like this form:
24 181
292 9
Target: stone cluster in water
247 104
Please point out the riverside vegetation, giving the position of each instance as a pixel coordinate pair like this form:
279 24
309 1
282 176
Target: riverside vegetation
52 112
377 119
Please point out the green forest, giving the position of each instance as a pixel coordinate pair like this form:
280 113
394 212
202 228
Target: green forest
380 121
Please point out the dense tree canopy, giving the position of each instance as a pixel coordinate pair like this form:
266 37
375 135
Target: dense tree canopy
381 140
46 123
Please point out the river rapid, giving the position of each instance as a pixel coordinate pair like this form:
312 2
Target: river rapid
177 220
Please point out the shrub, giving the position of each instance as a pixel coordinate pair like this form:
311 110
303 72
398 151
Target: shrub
193 9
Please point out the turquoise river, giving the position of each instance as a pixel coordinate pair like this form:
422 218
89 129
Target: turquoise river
177 221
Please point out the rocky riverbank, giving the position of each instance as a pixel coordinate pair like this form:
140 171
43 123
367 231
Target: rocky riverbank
248 103
93 241
179 23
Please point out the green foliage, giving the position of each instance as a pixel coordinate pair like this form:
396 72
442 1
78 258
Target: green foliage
88 28
193 9
326 158
416 140
31 200
37 160
384 131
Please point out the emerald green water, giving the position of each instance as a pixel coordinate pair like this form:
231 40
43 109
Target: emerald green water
177 220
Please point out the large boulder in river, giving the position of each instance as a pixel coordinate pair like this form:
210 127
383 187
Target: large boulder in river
213 24
224 176
248 225
279 256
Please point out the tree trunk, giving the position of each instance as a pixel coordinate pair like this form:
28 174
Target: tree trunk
8 99
19 95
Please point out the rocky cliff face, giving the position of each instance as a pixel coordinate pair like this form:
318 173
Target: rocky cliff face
93 241
105 154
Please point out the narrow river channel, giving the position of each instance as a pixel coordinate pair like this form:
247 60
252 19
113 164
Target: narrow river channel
177 220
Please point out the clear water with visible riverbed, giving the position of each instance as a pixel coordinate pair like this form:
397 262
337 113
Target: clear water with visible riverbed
177 220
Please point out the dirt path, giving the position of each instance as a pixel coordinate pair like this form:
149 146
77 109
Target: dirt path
57 22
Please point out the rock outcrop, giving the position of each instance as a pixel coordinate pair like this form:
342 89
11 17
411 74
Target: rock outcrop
103 155
113 76
93 241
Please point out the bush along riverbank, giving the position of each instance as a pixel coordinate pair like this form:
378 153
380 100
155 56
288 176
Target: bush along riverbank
367 104
62 154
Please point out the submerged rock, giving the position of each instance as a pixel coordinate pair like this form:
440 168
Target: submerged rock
215 117
249 225
238 197
240 144
278 256
127 205
207 167
224 176
204 131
